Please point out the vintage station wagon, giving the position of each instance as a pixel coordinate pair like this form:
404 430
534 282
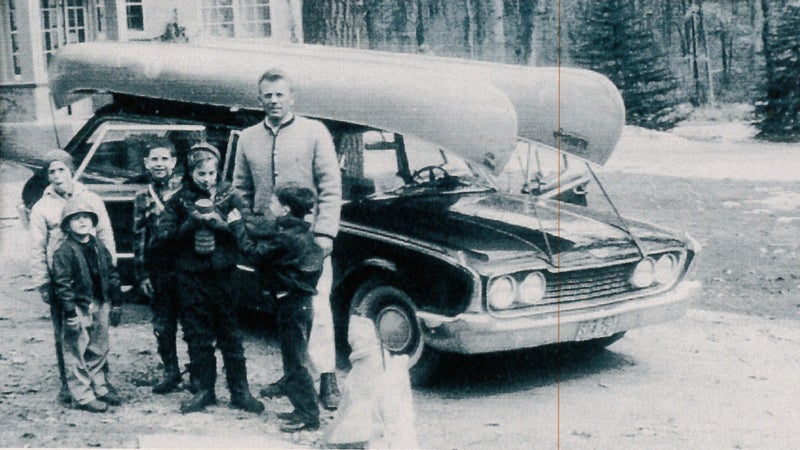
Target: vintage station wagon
430 247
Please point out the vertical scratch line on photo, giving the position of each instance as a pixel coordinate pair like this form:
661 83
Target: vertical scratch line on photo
558 233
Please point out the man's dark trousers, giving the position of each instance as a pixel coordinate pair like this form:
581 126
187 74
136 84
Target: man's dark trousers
295 315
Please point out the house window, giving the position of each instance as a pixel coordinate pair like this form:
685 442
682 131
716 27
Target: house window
75 21
14 34
135 13
63 22
236 18
51 36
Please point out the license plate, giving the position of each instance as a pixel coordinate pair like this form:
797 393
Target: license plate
598 328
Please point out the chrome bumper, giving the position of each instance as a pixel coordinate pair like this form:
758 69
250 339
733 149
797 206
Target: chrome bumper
482 333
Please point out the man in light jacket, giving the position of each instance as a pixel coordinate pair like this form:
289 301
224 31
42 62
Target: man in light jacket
287 148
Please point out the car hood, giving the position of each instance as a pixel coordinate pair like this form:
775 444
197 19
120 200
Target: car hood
491 227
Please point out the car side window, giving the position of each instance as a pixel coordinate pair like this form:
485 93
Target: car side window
115 151
368 160
381 160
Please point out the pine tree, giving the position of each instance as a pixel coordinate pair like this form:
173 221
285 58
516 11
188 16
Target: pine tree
780 110
610 37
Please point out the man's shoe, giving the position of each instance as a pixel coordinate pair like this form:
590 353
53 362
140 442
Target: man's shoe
199 401
95 406
288 416
246 402
273 390
167 385
299 424
329 391
110 398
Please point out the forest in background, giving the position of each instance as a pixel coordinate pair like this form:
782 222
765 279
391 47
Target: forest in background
666 56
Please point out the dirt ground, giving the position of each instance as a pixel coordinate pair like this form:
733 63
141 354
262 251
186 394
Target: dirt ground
700 382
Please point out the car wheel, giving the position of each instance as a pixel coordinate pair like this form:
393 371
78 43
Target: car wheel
394 315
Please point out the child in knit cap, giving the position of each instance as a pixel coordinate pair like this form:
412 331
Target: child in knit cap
195 223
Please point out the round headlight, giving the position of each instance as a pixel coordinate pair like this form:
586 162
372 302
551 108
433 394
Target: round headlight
501 292
643 274
532 288
666 268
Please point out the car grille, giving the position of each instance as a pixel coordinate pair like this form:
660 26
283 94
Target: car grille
588 284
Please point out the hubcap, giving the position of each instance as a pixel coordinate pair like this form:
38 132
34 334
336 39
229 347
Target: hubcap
395 328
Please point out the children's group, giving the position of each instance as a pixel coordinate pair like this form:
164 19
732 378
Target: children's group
190 232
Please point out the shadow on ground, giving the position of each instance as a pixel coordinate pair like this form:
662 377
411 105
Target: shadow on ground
508 372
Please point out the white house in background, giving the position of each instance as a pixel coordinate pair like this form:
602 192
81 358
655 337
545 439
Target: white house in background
32 30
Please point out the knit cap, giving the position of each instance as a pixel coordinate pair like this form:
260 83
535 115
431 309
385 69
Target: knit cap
205 147
60 156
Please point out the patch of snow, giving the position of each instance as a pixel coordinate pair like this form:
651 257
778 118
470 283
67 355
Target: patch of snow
782 200
716 131
662 153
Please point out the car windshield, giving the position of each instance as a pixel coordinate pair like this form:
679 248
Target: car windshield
421 167
536 168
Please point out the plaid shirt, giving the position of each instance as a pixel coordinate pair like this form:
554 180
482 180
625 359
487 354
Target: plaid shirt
146 212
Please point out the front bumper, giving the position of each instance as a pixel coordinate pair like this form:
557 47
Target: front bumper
482 333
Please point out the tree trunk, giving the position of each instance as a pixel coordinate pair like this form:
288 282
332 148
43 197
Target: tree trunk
698 85
394 25
544 35
701 29
334 22
723 45
666 24
765 31
497 39
686 31
470 25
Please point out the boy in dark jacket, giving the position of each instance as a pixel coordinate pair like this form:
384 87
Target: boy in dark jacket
291 263
206 253
87 285
153 263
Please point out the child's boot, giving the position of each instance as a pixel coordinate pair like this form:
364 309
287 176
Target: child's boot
329 391
172 373
206 377
236 375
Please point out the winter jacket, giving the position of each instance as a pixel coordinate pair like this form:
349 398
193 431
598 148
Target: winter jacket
176 228
289 259
45 229
301 152
147 255
72 281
